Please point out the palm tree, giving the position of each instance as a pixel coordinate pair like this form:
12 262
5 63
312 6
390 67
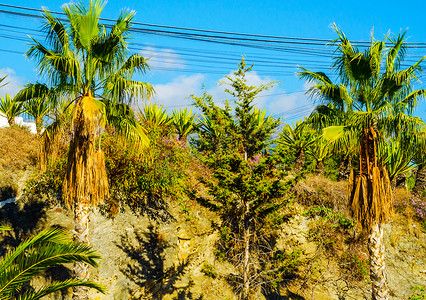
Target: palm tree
10 108
184 123
84 60
397 156
39 101
319 151
378 98
155 118
298 138
34 256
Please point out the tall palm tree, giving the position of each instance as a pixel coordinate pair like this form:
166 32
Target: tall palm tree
378 98
10 108
88 63
34 256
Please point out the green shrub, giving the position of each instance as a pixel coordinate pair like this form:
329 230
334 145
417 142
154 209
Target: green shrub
151 173
419 293
134 174
357 265
208 270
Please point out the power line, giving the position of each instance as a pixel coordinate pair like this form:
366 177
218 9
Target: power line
258 37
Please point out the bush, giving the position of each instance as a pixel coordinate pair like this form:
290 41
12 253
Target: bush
414 203
419 293
358 266
49 183
208 270
134 174
151 173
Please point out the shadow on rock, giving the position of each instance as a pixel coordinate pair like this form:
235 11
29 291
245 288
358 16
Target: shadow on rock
147 270
154 207
23 222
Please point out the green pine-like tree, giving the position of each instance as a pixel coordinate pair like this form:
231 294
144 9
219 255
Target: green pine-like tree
245 188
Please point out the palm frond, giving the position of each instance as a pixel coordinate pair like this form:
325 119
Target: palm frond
33 256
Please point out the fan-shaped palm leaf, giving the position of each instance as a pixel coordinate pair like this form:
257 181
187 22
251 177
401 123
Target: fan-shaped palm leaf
10 108
34 256
184 123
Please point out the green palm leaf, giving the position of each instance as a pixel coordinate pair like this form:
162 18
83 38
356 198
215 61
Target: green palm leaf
33 256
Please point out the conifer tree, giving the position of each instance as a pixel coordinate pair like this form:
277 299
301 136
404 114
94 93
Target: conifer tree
245 189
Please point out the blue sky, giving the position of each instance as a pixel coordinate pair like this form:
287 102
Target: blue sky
180 67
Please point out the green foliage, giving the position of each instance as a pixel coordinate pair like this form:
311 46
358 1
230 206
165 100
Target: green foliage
327 215
48 183
155 119
397 156
246 189
135 174
209 270
283 266
184 123
423 226
151 173
34 256
298 137
1 80
358 266
329 228
10 108
419 293
331 167
39 102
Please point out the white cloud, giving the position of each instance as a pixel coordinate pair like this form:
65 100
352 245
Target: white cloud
177 92
14 83
291 106
160 59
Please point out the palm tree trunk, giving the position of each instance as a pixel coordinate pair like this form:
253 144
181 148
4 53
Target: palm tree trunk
420 185
401 181
320 168
344 169
11 121
378 276
300 161
39 125
81 232
371 199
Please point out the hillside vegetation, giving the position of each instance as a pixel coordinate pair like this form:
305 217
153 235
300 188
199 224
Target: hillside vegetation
223 202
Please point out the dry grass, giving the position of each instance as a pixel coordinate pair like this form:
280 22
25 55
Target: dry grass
18 152
18 149
320 191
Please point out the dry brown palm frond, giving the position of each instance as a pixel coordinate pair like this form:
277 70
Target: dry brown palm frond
371 197
86 174
50 145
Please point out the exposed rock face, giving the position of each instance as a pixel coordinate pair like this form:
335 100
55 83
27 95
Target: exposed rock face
143 258
161 255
